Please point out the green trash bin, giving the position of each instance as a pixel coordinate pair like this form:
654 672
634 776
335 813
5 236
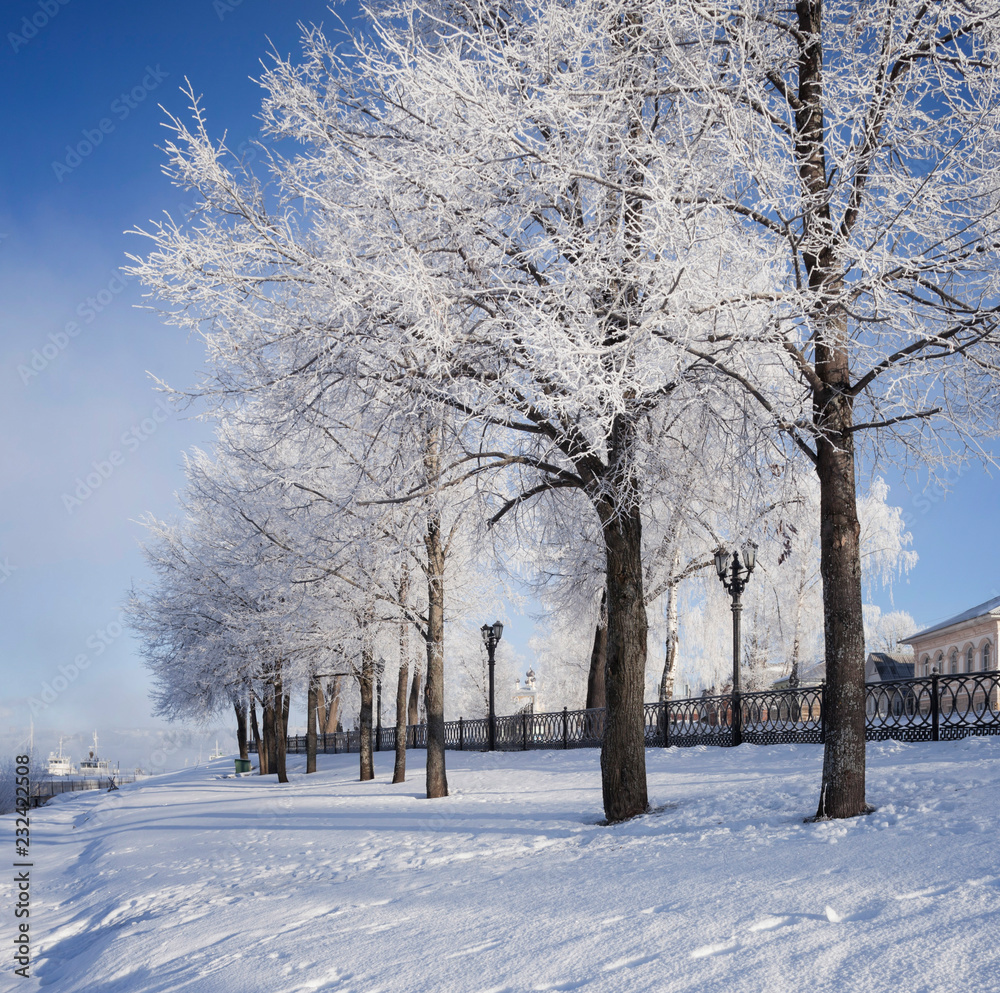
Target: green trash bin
242 765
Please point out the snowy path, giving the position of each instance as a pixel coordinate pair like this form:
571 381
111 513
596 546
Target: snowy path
195 882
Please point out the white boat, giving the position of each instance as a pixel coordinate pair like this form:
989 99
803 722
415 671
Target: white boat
93 765
60 765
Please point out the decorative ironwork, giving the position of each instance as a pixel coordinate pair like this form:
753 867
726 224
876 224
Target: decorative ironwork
931 708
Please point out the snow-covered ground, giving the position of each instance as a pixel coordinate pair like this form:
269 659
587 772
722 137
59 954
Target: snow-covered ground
194 881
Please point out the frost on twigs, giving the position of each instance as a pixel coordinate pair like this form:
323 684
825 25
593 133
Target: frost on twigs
611 240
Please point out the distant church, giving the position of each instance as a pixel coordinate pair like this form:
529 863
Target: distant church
526 698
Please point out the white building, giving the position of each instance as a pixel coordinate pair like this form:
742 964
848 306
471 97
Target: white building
963 643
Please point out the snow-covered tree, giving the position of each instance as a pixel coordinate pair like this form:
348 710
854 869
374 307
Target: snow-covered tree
485 213
858 145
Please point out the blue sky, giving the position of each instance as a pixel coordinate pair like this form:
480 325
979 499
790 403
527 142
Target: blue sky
87 448
80 166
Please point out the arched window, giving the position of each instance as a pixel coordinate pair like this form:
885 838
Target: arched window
954 661
927 665
970 660
987 660
939 664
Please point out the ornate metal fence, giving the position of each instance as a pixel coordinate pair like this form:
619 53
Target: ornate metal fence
934 708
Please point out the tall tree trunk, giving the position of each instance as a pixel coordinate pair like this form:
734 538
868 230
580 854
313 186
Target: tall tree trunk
399 770
596 696
312 718
240 706
262 752
280 730
269 735
623 749
437 779
365 680
673 637
842 792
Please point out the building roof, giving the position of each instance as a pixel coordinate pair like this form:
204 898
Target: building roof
989 607
892 665
810 674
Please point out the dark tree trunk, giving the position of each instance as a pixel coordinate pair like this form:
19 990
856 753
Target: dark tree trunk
623 747
596 696
399 769
434 545
280 730
842 792
312 718
269 735
240 706
623 750
365 683
262 753
437 779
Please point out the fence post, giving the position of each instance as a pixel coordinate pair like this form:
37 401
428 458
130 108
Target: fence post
565 727
461 734
935 708
524 732
665 712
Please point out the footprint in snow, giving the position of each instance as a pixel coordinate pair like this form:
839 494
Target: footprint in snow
630 963
719 948
769 923
929 892
474 949
662 908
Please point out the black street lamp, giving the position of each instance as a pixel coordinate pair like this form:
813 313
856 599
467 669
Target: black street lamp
734 579
491 637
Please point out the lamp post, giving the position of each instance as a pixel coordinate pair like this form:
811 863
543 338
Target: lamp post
491 637
734 579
